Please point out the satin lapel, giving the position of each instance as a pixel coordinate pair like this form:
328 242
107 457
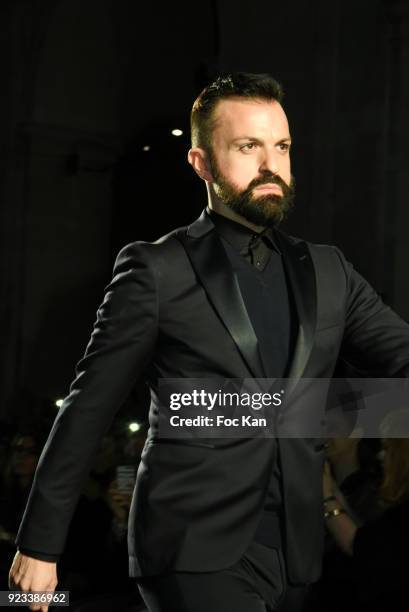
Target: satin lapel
301 277
208 257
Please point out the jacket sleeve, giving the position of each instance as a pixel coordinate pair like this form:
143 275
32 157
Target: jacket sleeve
376 339
121 347
40 556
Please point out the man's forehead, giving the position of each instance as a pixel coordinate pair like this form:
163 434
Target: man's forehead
235 114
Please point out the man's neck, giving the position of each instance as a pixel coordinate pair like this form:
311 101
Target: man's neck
221 209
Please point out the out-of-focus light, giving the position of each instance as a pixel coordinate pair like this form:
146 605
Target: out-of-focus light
134 427
146 148
59 403
177 132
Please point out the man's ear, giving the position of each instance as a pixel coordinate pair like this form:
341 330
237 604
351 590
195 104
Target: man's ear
199 160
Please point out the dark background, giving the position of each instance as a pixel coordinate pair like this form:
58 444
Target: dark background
86 84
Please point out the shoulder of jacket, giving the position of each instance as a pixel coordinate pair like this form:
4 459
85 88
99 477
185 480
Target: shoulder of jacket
167 248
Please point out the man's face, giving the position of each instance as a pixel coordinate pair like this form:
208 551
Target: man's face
250 159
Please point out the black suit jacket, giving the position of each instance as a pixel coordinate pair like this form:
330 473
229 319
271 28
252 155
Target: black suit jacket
174 309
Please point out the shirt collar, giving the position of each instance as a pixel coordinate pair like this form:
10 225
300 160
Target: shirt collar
239 235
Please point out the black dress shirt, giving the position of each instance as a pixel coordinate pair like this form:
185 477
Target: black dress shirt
257 262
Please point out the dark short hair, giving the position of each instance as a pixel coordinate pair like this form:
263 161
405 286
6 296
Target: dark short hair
232 85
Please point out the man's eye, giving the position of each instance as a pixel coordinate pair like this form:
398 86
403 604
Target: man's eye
248 147
284 146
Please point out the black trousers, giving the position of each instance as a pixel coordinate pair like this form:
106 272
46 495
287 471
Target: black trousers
256 583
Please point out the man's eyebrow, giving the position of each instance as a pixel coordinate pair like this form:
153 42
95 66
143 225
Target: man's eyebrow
288 139
245 138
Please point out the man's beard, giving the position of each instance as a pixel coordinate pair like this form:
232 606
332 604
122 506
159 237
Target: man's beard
267 210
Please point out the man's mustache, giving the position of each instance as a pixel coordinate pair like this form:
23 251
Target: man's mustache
268 180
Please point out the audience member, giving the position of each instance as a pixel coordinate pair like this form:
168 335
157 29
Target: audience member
377 549
21 461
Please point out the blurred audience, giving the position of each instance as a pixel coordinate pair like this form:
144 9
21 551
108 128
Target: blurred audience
95 559
16 478
357 469
367 570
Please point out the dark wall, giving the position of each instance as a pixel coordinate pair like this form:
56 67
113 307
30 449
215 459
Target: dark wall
88 83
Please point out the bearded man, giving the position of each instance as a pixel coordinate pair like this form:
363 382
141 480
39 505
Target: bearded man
226 524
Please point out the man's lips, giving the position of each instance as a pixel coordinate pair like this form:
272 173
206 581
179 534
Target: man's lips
270 187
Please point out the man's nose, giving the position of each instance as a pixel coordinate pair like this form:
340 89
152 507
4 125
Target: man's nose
269 163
